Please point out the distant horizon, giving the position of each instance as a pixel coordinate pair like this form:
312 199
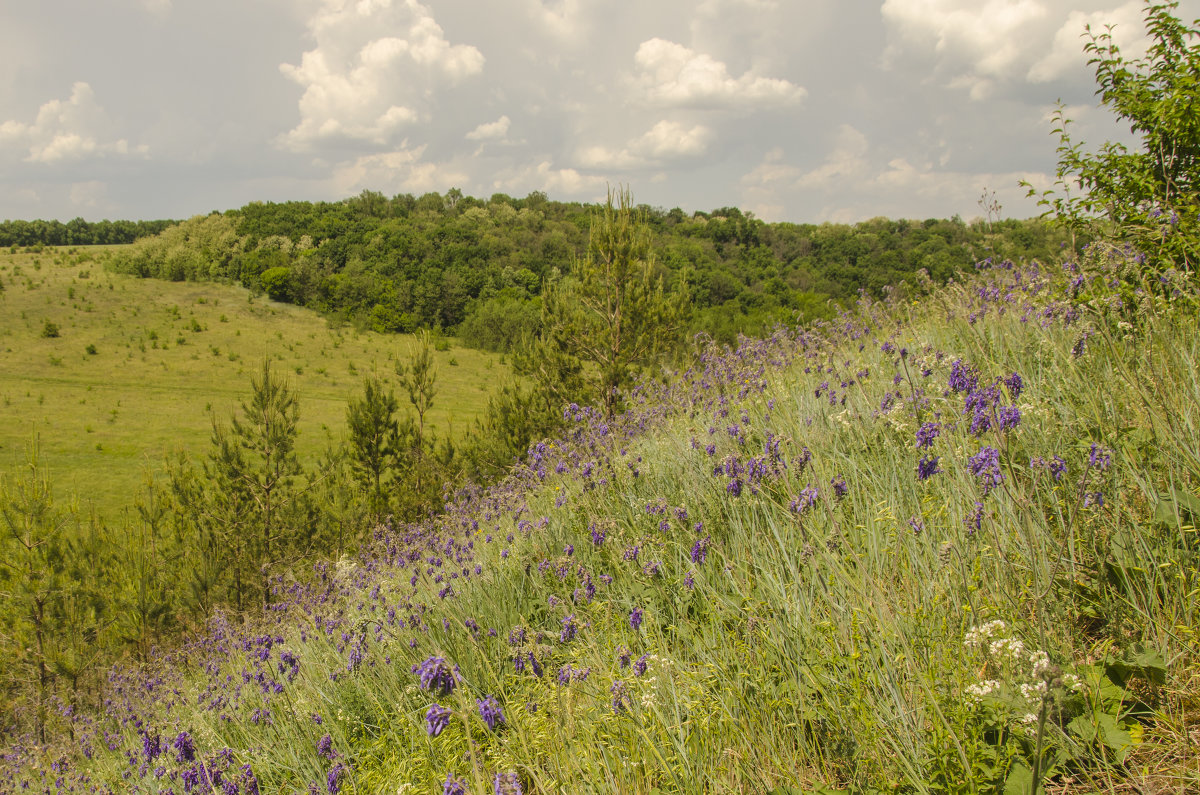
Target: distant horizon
823 111
689 212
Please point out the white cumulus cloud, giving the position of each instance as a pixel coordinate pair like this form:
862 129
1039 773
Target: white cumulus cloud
665 141
1066 51
674 75
65 131
977 42
374 66
493 130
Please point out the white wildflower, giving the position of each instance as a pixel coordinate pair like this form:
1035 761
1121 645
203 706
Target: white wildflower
984 688
1033 691
977 636
1040 662
1010 647
1029 719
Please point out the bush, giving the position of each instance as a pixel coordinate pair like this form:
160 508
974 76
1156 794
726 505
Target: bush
50 330
498 323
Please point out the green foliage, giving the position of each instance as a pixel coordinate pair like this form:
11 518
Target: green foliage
276 283
239 511
612 312
35 578
77 232
418 378
1149 197
374 442
50 330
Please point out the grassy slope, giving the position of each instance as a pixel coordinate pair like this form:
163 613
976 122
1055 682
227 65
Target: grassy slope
105 419
818 643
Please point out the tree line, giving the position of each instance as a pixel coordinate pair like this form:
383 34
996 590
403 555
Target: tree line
77 232
480 267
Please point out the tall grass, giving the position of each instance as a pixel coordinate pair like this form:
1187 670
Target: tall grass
745 585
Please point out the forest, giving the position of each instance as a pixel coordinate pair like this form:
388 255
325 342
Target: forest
477 267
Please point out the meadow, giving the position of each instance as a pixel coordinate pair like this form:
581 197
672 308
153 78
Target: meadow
936 545
112 372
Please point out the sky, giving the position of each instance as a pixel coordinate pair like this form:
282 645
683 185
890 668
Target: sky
795 110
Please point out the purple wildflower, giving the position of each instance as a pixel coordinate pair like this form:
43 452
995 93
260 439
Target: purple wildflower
962 377
507 784
840 489
436 720
454 786
974 520
700 549
806 499
1008 417
926 434
569 629
639 667
1015 385
635 618
325 747
436 675
1099 458
620 697
927 467
985 466
491 713
333 782
185 749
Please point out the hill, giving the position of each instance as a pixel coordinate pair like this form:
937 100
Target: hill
945 545
113 372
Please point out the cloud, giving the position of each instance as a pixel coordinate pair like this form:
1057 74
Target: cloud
676 76
665 141
979 43
91 195
65 131
494 130
977 46
374 60
554 181
1066 53
157 7
847 161
857 180
398 171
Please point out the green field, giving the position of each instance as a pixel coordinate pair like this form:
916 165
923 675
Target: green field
167 356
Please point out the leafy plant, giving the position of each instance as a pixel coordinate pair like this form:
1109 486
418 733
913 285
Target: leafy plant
1147 197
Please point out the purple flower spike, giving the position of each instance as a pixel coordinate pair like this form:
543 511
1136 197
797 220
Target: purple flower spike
985 465
436 720
635 618
926 434
491 713
507 784
454 786
927 467
436 675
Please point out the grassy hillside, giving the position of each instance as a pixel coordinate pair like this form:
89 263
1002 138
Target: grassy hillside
137 365
937 547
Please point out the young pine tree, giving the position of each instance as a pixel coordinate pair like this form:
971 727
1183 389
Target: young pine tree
612 313
374 449
34 573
